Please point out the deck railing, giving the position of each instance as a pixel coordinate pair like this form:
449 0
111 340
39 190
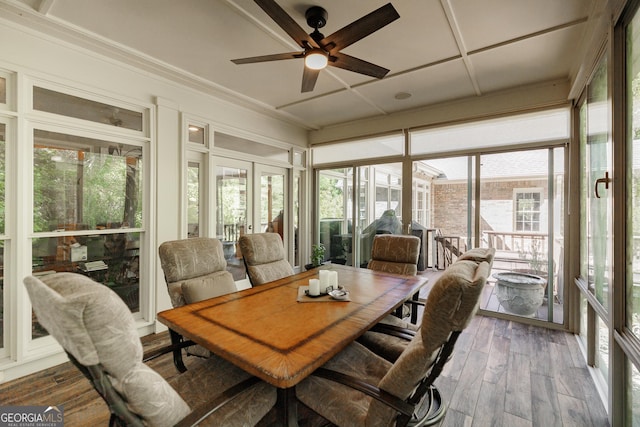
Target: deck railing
529 249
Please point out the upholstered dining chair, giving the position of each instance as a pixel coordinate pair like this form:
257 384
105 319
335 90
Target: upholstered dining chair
264 257
359 388
397 254
389 339
194 269
99 334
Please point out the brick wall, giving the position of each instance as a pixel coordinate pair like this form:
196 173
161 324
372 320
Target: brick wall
449 202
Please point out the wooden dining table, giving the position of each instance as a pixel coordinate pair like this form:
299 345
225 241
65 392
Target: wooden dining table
278 334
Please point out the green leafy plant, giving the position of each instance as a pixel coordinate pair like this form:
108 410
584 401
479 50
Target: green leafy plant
317 254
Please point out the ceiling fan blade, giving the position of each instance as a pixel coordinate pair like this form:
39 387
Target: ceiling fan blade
266 58
351 63
361 28
287 23
309 78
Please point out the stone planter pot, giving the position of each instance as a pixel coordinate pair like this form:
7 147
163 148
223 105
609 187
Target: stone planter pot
520 293
229 249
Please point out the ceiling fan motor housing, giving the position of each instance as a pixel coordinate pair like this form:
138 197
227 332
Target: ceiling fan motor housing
316 17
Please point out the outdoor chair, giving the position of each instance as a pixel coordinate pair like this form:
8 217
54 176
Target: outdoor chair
264 257
194 269
99 334
358 387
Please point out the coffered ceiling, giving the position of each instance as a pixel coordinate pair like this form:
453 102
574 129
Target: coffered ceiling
438 50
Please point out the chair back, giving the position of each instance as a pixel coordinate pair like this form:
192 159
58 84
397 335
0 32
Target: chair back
395 253
451 304
99 333
195 269
264 257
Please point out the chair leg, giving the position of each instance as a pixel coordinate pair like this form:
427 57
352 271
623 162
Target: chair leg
176 339
436 409
287 407
414 309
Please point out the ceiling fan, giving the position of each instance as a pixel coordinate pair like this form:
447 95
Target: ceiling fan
320 51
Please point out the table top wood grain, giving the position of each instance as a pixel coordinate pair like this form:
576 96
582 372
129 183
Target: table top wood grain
268 333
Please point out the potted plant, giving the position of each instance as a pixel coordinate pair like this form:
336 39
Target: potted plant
523 291
317 256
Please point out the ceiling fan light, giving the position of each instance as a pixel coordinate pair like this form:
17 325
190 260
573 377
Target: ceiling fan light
316 59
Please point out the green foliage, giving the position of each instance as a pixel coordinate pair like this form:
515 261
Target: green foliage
331 197
76 187
317 254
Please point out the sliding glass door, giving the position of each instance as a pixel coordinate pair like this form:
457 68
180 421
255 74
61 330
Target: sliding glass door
520 195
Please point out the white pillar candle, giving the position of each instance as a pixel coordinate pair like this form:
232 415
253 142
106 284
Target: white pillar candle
324 280
314 287
333 279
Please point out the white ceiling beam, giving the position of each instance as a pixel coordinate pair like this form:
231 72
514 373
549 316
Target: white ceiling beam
457 35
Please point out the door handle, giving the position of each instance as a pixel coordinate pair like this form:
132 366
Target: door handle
606 180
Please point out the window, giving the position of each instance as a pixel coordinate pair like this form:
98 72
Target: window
87 210
89 183
2 226
85 109
193 199
3 90
196 134
388 189
527 210
370 148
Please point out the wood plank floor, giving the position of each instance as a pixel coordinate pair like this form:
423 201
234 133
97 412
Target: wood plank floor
502 374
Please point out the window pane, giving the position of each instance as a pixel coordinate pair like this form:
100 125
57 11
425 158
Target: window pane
633 172
371 148
451 182
232 187
633 395
516 190
193 199
335 216
242 145
596 149
196 134
85 109
2 175
110 259
85 184
272 203
602 352
299 158
297 197
2 294
3 90
386 217
549 125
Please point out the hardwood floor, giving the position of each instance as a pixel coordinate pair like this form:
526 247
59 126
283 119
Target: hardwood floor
509 374
502 374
